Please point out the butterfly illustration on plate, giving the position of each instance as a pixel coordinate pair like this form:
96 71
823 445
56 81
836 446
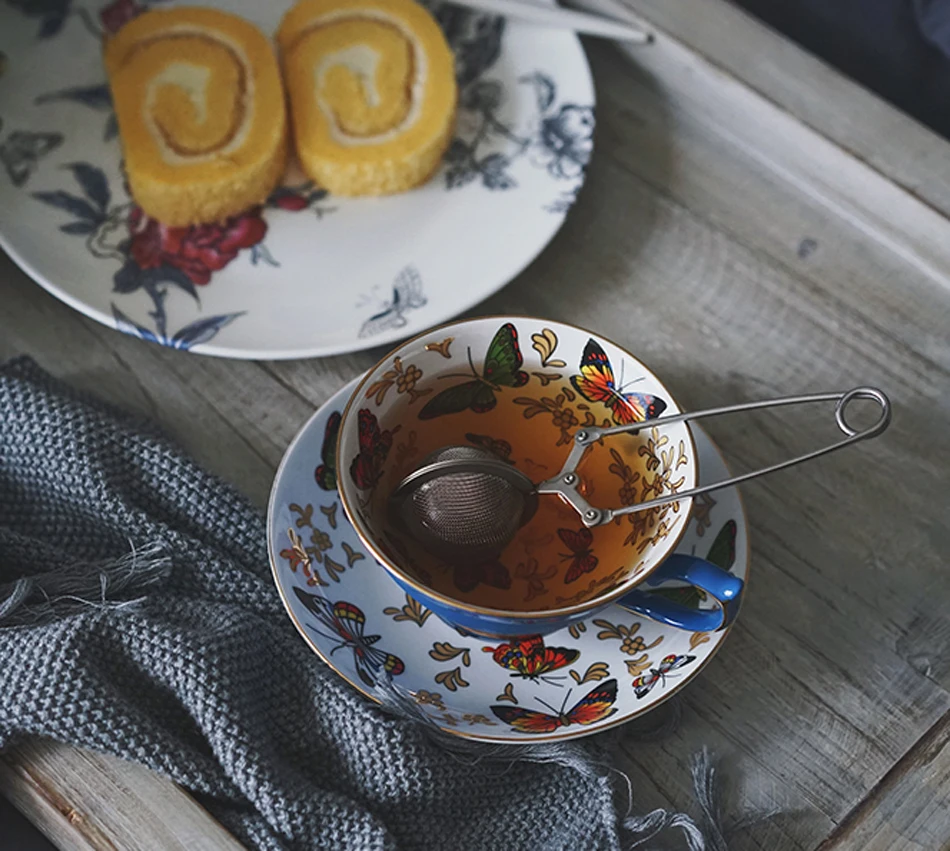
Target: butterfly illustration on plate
595 706
407 295
500 448
345 623
596 383
722 553
502 368
21 151
531 660
375 443
325 474
581 558
468 577
645 683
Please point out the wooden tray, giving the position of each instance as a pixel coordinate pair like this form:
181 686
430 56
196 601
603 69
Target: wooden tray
753 224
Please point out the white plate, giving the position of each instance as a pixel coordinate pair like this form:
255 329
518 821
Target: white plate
333 276
319 564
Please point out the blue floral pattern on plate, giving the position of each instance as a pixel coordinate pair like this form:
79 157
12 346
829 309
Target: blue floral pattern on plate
562 143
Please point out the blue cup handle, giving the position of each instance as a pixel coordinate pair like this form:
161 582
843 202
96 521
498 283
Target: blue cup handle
724 589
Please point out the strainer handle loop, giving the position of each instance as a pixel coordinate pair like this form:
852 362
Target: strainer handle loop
565 483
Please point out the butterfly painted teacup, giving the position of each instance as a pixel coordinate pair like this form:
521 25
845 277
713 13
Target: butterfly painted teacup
476 383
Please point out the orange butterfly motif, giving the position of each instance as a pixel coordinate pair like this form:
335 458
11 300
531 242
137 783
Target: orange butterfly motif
595 706
596 384
530 659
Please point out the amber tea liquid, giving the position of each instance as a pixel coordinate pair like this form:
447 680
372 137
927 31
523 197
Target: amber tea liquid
554 560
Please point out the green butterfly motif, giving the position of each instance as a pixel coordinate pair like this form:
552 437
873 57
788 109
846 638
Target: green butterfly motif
325 474
502 369
722 554
723 551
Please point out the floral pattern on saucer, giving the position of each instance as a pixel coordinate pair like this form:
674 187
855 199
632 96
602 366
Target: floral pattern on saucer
591 676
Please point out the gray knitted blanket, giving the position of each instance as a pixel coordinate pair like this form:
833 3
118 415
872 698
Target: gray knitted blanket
138 618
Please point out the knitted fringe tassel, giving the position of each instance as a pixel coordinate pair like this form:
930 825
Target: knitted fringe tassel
709 835
708 790
647 827
44 597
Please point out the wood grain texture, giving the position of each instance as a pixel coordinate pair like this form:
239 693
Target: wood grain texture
742 250
92 802
907 810
868 128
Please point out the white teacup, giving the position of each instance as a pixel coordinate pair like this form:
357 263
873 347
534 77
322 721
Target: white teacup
476 382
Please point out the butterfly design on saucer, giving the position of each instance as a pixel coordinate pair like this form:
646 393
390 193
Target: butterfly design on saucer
530 659
645 683
345 623
407 295
595 706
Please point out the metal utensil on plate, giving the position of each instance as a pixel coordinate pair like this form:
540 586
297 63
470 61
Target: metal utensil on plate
464 503
553 16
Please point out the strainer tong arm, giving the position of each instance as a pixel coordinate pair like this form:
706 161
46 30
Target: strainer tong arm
566 482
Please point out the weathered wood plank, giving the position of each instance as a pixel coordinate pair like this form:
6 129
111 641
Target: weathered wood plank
92 802
908 808
776 186
868 128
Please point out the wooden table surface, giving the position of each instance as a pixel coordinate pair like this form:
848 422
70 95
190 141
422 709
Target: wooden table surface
753 224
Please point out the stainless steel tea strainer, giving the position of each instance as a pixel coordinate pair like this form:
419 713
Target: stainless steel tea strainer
465 503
